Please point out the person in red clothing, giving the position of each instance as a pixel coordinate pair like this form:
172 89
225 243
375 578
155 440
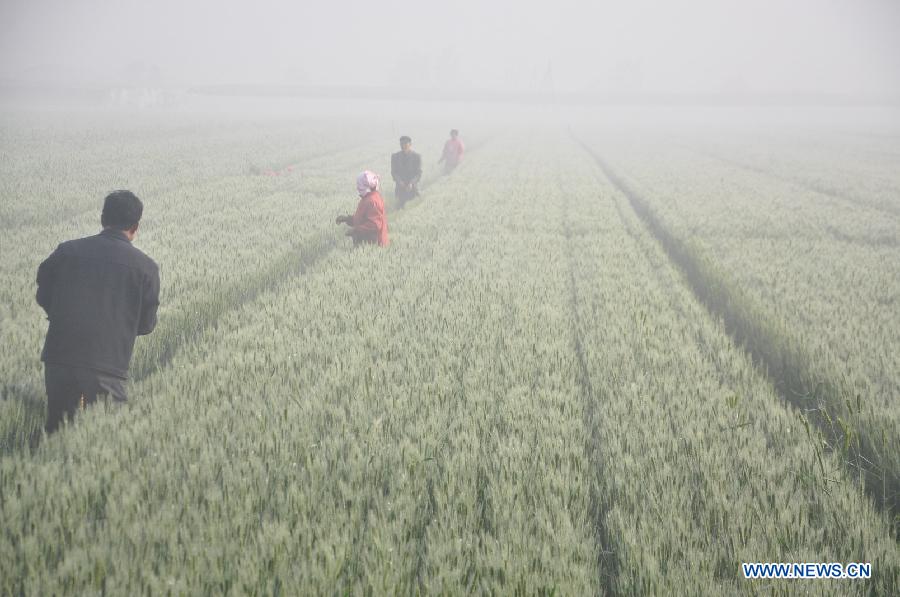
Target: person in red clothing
453 152
368 224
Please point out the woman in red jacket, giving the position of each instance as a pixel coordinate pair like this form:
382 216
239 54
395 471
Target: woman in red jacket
368 224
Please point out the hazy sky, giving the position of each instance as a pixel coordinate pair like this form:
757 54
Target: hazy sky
642 46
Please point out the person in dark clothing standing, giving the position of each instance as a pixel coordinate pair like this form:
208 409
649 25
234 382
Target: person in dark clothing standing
99 292
406 170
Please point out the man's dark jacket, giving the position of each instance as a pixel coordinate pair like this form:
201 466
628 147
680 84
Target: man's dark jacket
99 292
406 167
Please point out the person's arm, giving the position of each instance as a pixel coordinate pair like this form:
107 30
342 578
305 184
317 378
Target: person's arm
394 168
417 173
149 302
46 277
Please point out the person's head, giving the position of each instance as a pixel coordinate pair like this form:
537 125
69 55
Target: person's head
454 133
405 143
367 182
122 210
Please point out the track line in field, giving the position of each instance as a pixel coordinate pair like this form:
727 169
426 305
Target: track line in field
785 367
608 560
881 242
886 209
880 208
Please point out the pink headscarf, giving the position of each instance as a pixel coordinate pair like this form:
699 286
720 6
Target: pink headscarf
367 182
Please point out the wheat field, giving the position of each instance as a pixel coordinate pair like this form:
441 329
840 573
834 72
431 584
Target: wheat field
590 362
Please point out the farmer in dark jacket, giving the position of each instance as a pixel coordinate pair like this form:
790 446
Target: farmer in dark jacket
99 292
406 170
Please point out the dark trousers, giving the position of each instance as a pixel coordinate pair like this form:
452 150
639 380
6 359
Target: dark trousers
403 194
72 388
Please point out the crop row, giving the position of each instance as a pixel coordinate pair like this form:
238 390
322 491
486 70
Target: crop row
704 466
199 236
857 170
816 311
218 243
520 394
53 173
386 421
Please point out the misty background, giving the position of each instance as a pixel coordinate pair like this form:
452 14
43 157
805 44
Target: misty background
765 51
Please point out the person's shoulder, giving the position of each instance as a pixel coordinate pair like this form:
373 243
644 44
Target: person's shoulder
374 200
396 154
77 244
145 261
132 256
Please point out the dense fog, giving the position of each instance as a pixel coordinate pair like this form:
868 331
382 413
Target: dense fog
764 52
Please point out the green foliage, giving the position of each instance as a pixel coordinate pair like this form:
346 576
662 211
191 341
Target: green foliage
519 395
815 312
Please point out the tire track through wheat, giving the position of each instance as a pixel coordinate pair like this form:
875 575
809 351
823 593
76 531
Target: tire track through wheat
787 368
